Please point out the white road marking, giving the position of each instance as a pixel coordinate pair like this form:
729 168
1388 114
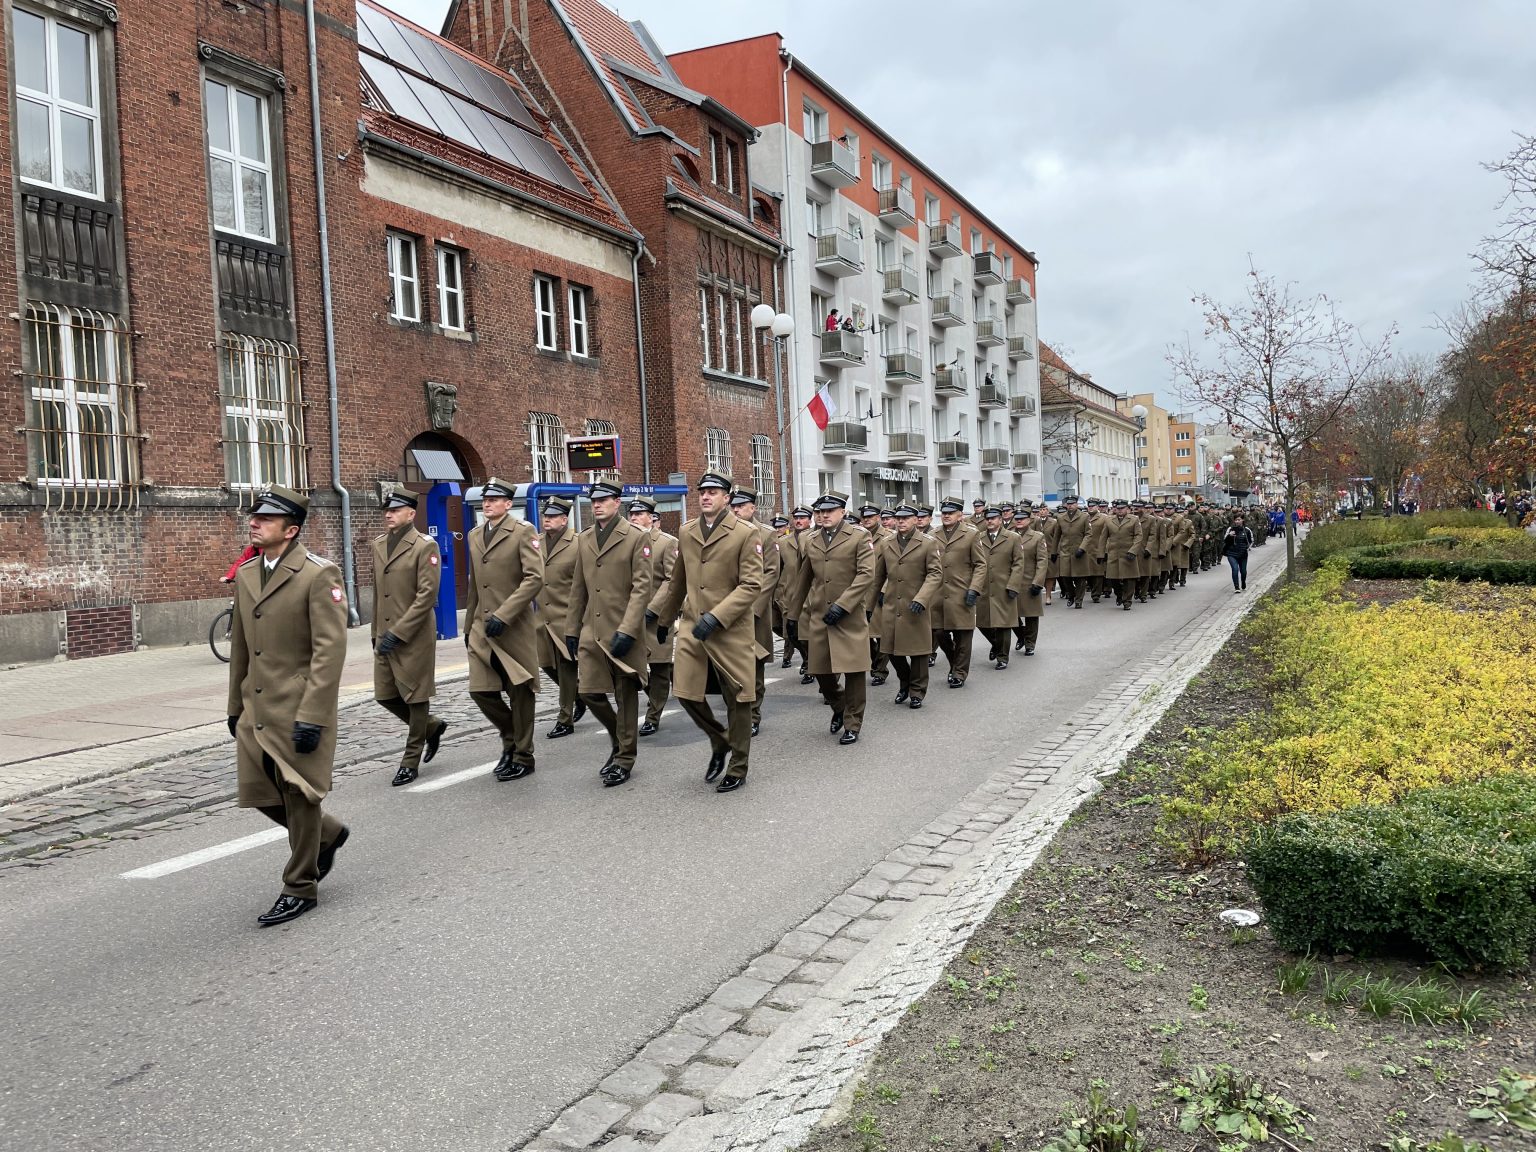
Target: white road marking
451 779
771 680
206 855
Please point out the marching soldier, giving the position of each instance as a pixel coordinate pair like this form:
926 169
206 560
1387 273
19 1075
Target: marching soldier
1183 534
506 573
1073 566
907 577
1164 547
658 657
802 527
789 568
1098 512
405 583
744 505
1139 514
1122 542
925 519
1050 527
965 577
837 569
1008 510
1035 562
609 595
715 583
872 520
978 514
288 644
553 603
998 610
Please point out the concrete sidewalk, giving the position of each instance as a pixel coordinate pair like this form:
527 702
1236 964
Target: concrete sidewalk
72 721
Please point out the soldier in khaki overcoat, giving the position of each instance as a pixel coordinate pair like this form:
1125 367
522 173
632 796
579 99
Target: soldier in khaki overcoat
553 603
997 612
744 507
1051 530
506 574
1098 512
406 575
907 577
1035 561
1183 536
1073 566
715 583
789 568
872 520
658 657
953 618
837 570
288 644
610 595
1122 543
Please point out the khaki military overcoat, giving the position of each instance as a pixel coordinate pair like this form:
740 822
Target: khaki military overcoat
1071 539
1005 573
1183 534
840 571
554 599
721 575
1051 530
905 572
789 568
1035 562
405 583
663 557
287 647
610 592
1123 544
762 609
506 573
965 570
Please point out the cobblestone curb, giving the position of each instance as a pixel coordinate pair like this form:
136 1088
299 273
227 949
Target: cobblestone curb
757 1065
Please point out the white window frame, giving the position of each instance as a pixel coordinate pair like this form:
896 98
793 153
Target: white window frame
717 450
78 394
704 325
404 283
451 313
546 328
720 330
716 143
880 171
579 326
57 107
546 445
263 424
762 469
241 164
737 303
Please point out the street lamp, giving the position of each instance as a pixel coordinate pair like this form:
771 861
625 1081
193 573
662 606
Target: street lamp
1139 412
781 325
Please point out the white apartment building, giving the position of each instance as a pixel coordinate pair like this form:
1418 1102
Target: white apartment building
1089 446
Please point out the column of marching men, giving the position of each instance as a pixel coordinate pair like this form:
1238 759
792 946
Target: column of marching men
623 609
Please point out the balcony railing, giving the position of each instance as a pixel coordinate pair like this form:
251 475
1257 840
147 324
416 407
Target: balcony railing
990 332
903 368
993 458
842 347
253 277
1021 406
1026 462
1019 348
834 163
949 311
906 446
898 207
989 268
991 394
953 451
900 286
1018 292
949 380
844 437
69 238
944 240
839 252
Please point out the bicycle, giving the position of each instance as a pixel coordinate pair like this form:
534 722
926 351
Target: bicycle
218 633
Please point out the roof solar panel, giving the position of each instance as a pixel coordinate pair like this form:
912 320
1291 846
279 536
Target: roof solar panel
492 90
496 136
448 121
390 84
558 170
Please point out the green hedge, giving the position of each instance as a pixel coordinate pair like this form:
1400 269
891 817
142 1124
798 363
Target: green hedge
1326 539
1387 562
1447 873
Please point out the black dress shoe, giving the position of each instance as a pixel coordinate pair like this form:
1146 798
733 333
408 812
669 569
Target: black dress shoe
932 659
649 729
577 713
560 730
403 776
901 697
327 855
731 784
915 702
877 680
504 763
1018 645
287 908
848 738
807 678
1002 665
756 726
514 771
716 766
837 723
433 741
955 681
1030 651
613 776
786 662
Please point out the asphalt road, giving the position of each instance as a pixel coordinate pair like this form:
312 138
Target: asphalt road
485 952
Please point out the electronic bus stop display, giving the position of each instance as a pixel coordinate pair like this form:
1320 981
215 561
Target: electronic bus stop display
592 453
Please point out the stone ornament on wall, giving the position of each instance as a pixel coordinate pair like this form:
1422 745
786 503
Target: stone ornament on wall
442 405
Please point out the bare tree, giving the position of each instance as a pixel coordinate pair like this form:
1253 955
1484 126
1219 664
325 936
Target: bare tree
1239 473
1390 424
1279 363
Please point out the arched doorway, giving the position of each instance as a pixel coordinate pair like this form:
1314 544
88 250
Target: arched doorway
470 467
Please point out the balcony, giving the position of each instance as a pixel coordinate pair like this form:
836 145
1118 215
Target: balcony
949 380
844 437
839 252
71 239
253 277
990 333
834 163
991 394
1018 292
900 286
898 208
841 347
1019 348
949 311
994 458
1019 406
906 446
989 268
903 368
953 451
1026 462
944 240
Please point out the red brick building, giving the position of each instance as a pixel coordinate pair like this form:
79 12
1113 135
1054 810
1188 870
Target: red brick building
170 348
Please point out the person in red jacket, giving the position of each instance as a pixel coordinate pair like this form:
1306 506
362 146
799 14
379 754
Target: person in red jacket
229 577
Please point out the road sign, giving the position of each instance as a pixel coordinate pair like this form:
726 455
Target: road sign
592 453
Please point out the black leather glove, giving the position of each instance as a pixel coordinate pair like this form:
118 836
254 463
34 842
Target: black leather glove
706 624
621 645
971 596
651 617
869 617
1130 555
791 630
916 608
1013 593
234 723
834 615
1146 553
1054 555
880 599
1080 553
571 644
1035 589
1103 559
494 625
661 634
306 737
388 643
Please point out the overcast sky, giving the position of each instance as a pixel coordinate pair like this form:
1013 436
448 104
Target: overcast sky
1143 150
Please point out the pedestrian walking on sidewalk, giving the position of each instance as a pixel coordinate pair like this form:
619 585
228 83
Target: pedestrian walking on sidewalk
406 574
287 648
1235 543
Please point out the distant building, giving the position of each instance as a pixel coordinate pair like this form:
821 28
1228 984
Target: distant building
1088 446
1154 449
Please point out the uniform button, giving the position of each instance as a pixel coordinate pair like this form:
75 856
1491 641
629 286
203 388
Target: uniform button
258 691
259 727
258 651
257 613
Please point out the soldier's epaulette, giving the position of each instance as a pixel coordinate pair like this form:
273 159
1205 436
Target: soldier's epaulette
248 559
316 559
381 536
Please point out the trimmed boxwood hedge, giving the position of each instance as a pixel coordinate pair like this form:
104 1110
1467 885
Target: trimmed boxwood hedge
1445 873
1384 562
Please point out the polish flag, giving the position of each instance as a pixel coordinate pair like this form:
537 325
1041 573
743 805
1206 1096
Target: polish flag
823 407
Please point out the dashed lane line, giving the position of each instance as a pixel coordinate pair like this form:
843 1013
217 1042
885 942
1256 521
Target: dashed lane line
206 855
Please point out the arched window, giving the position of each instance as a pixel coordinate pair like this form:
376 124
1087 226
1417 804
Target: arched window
762 473
596 427
717 450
